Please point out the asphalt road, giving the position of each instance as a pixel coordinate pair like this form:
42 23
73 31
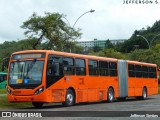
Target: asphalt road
152 103
125 108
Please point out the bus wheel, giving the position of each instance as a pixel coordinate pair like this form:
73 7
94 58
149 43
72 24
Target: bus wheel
69 99
144 94
37 104
110 95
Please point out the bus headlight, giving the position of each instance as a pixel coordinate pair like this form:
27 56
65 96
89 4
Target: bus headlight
9 91
39 91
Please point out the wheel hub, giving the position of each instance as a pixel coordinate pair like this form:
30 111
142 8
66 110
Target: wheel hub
110 95
69 98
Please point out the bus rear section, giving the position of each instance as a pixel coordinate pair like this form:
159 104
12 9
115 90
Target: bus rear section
137 79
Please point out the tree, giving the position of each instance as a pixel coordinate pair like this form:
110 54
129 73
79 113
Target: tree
51 29
7 48
149 33
110 53
97 48
149 55
108 44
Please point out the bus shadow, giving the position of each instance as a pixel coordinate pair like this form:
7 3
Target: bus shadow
59 105
133 99
115 101
47 106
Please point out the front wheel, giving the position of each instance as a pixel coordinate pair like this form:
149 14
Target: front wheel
110 95
69 99
37 104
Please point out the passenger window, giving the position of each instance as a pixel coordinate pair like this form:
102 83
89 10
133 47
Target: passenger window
103 68
131 70
130 67
152 72
80 67
112 68
68 66
145 71
93 67
138 70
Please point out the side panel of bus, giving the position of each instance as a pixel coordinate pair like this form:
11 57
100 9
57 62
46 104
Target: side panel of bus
140 77
87 88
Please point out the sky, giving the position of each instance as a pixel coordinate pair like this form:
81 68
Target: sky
112 19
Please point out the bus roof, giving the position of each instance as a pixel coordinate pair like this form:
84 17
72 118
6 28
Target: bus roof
80 56
66 54
142 63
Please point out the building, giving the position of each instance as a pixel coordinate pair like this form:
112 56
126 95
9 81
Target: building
100 43
86 43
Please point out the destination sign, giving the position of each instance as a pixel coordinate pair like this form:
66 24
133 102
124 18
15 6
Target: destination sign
28 56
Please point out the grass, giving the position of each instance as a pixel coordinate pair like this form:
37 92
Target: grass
3 91
5 104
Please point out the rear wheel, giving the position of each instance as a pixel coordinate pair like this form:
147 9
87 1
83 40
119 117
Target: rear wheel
69 99
37 104
110 95
144 94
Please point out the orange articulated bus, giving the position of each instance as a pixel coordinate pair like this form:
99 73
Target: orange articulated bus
44 76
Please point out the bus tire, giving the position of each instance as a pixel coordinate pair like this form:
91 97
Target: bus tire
144 94
37 104
110 95
69 98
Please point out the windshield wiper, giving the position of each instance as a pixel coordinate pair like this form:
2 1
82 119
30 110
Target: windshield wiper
21 71
31 65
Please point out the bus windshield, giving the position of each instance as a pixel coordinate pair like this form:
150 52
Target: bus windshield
26 72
